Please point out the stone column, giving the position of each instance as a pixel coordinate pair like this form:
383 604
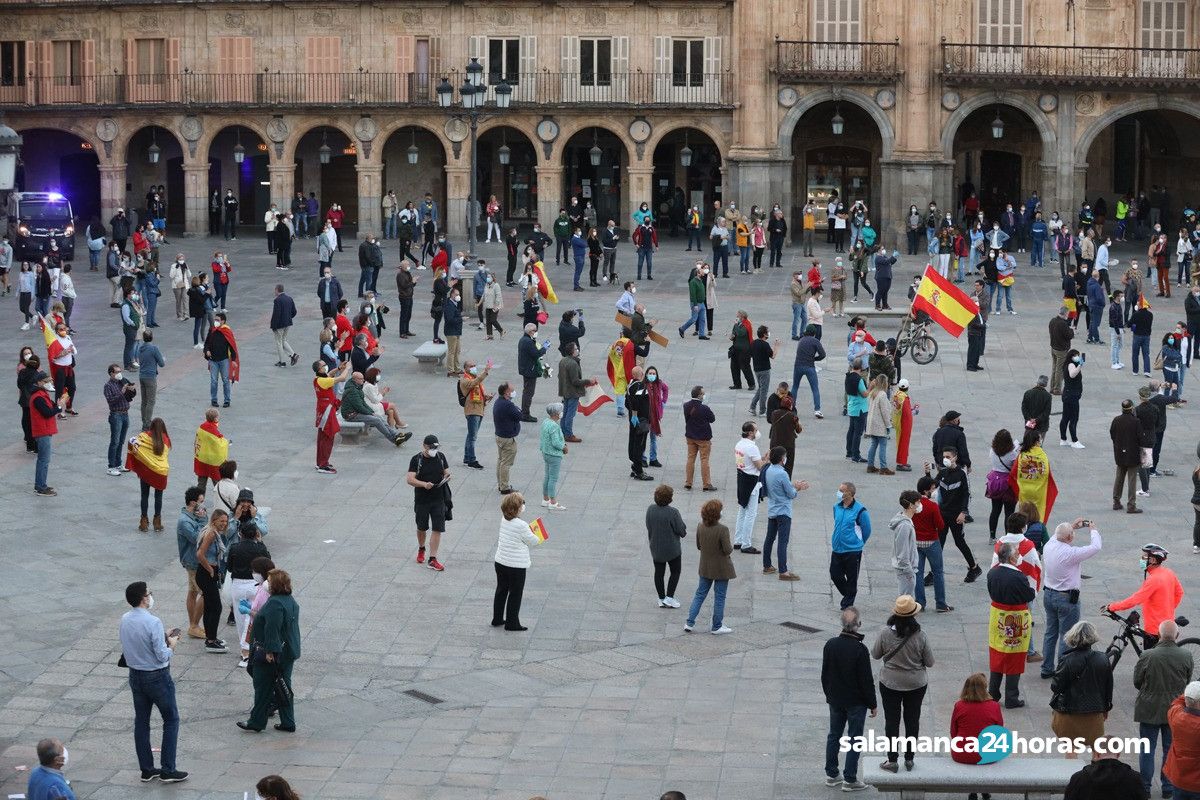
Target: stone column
195 199
1069 186
638 187
455 214
370 194
550 190
112 190
283 183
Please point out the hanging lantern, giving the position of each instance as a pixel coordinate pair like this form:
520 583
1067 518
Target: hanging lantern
595 153
445 93
504 153
503 94
239 152
837 123
685 155
155 152
324 152
475 72
997 126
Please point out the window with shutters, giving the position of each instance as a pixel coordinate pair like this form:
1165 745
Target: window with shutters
1162 33
1001 23
12 63
504 61
67 63
595 62
687 62
235 68
150 60
323 65
837 21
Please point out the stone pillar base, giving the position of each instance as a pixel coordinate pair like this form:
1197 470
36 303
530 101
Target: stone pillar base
112 190
195 199
370 195
904 182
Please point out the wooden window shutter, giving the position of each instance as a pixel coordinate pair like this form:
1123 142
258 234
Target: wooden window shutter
662 68
568 51
45 71
435 59
174 68
88 70
620 68
405 46
130 48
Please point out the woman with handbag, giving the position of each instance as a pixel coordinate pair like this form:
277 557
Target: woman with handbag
275 646
1002 456
1081 689
905 653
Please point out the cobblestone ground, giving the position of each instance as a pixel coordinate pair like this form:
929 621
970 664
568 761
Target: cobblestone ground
605 696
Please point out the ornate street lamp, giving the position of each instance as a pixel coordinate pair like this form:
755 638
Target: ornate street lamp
324 152
685 155
504 153
412 152
997 126
595 152
155 152
239 152
837 122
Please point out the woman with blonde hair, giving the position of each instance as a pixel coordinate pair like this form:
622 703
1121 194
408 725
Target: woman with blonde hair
512 561
879 424
374 394
974 711
1082 687
210 574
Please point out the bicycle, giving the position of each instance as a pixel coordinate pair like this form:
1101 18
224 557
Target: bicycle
1131 631
914 334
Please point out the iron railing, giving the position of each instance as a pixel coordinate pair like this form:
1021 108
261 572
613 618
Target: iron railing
1057 65
837 62
306 90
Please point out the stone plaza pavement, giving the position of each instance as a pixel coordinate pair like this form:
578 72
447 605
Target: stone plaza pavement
605 696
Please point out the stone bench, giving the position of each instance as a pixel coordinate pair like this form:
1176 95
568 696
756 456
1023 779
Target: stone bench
351 429
1029 777
430 353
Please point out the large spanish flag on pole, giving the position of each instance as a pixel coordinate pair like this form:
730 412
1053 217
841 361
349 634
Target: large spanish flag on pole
151 467
212 449
945 303
545 288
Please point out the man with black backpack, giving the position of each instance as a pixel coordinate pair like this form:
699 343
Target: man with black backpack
429 475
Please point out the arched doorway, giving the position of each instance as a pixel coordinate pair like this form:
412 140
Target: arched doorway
413 173
153 159
592 165
334 180
677 185
250 179
59 161
514 183
996 151
836 147
1152 153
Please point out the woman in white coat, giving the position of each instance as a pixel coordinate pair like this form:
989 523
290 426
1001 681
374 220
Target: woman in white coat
512 560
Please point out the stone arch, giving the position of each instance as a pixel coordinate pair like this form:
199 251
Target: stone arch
1019 102
387 131
127 132
511 124
809 101
212 131
1148 103
73 128
303 129
568 130
711 131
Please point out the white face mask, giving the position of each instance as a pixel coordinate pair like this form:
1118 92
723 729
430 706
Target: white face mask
947 462
258 578
920 508
235 474
118 376
703 398
633 290
66 758
522 511
756 435
150 604
433 451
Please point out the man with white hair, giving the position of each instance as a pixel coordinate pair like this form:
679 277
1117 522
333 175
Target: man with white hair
1161 674
850 693
46 780
1061 565
1184 719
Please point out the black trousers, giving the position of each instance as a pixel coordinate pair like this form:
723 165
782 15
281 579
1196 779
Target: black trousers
26 428
492 322
1070 416
960 541
562 250
1007 506
512 268
863 280
593 268
528 386
882 286
64 380
660 567
739 365
506 605
843 571
637 446
406 250
974 350
210 588
406 304
1012 689
898 705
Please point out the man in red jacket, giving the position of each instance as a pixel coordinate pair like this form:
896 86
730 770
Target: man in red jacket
43 424
1183 760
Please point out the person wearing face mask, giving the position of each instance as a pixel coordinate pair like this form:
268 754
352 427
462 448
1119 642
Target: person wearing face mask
243 582
147 650
953 492
220 350
428 474
904 542
43 425
749 462
780 490
927 525
474 400
1072 392
405 287
528 356
117 392
46 780
329 293
1029 562
181 278
637 403
327 407
275 642
370 261
658 391
131 321
1159 595
221 270
192 519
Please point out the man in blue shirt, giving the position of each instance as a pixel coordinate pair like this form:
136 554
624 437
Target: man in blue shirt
147 652
150 360
46 781
851 530
781 490
507 419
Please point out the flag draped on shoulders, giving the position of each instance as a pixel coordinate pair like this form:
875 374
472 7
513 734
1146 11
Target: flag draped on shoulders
1009 629
212 449
235 364
945 303
1032 480
149 466
544 287
621 360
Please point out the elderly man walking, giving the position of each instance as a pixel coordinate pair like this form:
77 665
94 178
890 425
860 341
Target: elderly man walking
1161 675
850 692
283 313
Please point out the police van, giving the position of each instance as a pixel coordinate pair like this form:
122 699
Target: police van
36 218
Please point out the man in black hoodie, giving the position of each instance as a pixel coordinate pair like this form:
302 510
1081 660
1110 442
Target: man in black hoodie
850 692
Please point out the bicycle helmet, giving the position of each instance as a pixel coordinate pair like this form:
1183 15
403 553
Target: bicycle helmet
1156 551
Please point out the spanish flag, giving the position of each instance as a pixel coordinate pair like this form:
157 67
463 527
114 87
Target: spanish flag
621 361
539 530
593 398
945 303
544 287
145 463
1032 480
212 449
1009 629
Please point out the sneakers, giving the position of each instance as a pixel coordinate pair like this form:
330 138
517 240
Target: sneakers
173 777
670 602
556 506
434 564
854 786
1078 445
833 781
114 471
214 646
818 415
973 573
1063 443
420 555
687 627
545 503
1140 493
721 631
242 662
150 774
1118 366
401 438
47 492
327 469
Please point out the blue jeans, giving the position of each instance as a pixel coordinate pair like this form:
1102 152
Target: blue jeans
1114 339
653 454
745 258
961 275
473 422
1001 289
151 304
762 388
578 270
301 224
1094 315
550 482
43 461
216 368
799 319
857 423
719 588
933 555
389 227
219 292
780 527
1141 344
811 374
154 689
878 444
1152 732
1061 614
1037 253
118 426
646 257
698 318
570 406
130 340
850 719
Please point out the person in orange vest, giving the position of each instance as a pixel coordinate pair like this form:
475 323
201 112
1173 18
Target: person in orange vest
43 414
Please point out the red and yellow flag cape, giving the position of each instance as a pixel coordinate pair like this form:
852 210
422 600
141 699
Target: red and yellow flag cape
545 289
142 460
1032 480
621 361
212 449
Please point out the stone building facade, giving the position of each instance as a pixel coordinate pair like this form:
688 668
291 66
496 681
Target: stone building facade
663 101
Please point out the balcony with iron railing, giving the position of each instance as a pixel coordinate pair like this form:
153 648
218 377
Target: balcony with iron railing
837 62
1098 67
271 90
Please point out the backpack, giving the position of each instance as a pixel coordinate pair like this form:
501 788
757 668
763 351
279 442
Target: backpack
462 398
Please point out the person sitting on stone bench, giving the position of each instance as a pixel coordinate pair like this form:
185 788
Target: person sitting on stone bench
355 409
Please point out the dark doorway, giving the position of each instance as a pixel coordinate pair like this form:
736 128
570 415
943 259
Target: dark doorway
339 184
175 201
845 170
999 181
81 183
262 187
599 183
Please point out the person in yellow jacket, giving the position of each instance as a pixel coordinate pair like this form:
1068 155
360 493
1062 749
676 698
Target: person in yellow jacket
742 237
693 227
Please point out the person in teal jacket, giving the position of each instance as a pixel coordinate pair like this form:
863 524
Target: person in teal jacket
274 648
553 445
868 235
851 530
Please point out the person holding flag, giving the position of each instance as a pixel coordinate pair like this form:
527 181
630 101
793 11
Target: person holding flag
220 350
945 303
544 287
902 420
212 450
1031 479
621 361
60 352
148 458
512 560
1010 625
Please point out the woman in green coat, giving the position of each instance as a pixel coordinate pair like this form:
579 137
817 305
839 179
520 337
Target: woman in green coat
276 631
